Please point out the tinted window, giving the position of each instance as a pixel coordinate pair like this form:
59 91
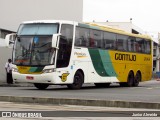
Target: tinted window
122 42
106 40
96 39
139 45
147 46
131 44
38 29
109 40
65 46
82 37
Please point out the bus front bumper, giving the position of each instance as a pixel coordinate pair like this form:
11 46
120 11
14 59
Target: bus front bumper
48 78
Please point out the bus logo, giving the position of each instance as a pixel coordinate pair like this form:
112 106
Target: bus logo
125 57
64 77
80 55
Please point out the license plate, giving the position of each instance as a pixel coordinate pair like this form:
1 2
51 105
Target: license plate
29 78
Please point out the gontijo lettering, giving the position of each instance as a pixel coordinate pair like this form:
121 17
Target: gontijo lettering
125 57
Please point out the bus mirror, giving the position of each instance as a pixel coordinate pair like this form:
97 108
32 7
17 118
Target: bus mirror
55 40
10 39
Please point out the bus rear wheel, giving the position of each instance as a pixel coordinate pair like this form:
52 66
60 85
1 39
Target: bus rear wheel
130 80
137 79
77 82
41 86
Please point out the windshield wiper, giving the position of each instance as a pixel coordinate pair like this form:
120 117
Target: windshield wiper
42 45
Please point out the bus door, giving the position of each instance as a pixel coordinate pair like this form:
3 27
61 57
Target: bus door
65 46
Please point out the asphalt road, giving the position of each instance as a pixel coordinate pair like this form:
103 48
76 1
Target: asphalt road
146 92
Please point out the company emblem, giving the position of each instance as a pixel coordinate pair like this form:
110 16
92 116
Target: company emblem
64 77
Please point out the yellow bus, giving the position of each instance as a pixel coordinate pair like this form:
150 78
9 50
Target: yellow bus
55 52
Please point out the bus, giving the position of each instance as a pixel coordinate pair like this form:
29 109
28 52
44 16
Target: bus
59 52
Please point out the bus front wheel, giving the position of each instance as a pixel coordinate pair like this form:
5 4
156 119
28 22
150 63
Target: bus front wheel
77 82
41 86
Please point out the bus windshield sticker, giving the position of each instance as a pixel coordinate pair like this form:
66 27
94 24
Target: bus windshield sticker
36 39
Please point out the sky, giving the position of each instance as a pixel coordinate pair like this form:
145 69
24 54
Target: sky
144 13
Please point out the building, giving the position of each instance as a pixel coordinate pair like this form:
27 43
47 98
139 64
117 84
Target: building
13 12
4 32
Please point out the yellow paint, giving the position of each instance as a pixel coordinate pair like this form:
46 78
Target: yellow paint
26 70
64 76
81 56
23 69
119 31
143 64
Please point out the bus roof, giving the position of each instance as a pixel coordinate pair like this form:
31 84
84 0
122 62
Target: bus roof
112 30
92 26
48 21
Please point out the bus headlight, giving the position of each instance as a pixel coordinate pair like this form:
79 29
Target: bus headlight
48 70
14 69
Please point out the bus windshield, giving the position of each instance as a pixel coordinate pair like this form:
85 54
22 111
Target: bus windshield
33 45
38 29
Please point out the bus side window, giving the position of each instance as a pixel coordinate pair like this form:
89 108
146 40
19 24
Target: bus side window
78 41
143 46
122 42
96 39
82 37
131 44
91 41
147 46
139 45
109 40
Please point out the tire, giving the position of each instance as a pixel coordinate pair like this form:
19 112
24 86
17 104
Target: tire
41 86
129 82
102 85
130 79
77 82
137 79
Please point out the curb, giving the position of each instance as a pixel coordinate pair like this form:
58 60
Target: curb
83 102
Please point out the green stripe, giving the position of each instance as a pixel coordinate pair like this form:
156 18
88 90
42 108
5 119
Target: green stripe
88 26
102 62
83 25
